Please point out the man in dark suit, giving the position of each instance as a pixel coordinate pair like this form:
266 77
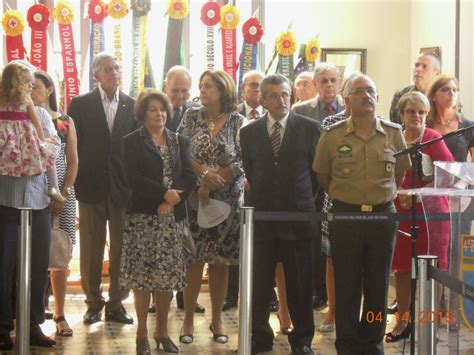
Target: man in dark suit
177 87
102 117
277 153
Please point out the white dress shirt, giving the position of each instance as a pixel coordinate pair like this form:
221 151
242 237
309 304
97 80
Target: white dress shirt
271 121
110 106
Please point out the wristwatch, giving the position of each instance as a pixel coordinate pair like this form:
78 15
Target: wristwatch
67 191
204 173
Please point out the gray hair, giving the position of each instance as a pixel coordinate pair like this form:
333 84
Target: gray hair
273 79
345 90
351 79
100 59
176 69
251 73
322 68
435 57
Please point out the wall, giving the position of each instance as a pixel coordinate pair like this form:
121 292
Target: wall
467 57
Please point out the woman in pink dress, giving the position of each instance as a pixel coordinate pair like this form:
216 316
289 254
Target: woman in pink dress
414 107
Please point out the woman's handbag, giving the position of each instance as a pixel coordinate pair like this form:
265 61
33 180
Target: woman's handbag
61 247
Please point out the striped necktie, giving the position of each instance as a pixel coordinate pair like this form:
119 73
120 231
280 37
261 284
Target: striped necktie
329 109
275 138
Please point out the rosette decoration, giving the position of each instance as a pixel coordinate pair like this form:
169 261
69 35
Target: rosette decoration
118 9
97 12
252 32
142 74
286 47
39 18
230 18
177 10
210 16
14 25
64 15
309 52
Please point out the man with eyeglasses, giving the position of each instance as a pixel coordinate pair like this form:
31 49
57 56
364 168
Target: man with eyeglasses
356 166
102 118
327 103
250 106
277 153
177 86
427 66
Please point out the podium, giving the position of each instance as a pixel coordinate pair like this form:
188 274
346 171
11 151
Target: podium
448 207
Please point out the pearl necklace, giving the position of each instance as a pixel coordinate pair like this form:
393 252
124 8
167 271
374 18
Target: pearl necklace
417 139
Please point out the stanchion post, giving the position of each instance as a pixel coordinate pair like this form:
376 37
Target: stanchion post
246 261
23 284
426 306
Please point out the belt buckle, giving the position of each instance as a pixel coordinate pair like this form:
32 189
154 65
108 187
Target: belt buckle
366 208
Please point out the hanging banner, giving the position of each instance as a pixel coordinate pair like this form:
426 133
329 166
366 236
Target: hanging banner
97 13
118 9
177 10
38 18
14 25
210 16
230 18
467 274
140 10
63 13
286 47
252 32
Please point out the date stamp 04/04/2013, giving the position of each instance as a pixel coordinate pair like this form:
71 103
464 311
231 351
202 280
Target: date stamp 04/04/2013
423 317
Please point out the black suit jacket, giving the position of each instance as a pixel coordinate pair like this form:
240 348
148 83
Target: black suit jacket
145 174
286 183
172 124
100 152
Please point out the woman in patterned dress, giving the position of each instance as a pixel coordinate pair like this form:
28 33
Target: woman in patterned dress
160 174
213 130
44 95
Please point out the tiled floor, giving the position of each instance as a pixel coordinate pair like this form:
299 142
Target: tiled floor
112 338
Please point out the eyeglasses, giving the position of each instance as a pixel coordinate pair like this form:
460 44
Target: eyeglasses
110 69
446 89
325 81
253 84
414 112
363 91
274 96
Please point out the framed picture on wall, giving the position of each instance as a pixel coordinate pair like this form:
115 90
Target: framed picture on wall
347 60
435 50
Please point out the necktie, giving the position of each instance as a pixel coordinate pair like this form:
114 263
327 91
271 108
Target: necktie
329 109
175 120
253 114
275 138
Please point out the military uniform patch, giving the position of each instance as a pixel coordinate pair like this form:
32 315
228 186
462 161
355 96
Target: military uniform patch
344 149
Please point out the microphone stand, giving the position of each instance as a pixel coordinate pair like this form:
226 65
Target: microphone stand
415 155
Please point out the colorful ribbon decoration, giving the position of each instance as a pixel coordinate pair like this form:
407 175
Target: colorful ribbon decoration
285 47
39 18
140 60
174 54
252 31
97 13
210 16
14 25
64 14
230 18
308 54
118 9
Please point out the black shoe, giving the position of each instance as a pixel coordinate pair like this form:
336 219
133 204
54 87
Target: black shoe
393 308
152 308
274 305
180 303
219 338
6 342
228 304
118 315
319 302
199 309
48 314
391 337
37 338
92 316
305 349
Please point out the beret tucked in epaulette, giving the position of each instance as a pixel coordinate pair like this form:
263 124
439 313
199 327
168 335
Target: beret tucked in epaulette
390 124
334 125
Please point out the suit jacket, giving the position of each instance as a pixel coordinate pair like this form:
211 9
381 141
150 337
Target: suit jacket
145 175
241 110
172 124
100 152
312 108
286 183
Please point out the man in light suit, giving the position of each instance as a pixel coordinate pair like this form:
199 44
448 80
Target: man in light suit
102 117
177 86
277 153
250 106
327 103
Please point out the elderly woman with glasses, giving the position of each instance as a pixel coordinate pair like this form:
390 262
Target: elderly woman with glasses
413 108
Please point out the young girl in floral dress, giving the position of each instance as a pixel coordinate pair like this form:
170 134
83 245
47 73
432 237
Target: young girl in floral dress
24 151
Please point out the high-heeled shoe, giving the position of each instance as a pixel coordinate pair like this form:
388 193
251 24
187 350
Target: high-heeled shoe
143 346
62 327
168 345
284 330
392 337
218 338
186 338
